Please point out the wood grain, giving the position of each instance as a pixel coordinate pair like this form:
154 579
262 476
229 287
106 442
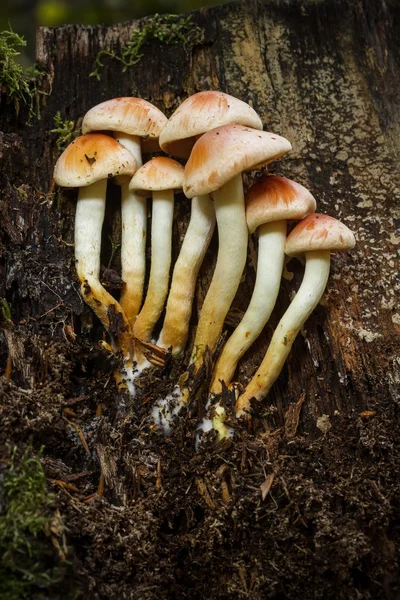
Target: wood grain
325 75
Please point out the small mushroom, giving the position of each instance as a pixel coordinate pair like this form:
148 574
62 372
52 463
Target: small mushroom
269 204
159 177
215 166
136 124
316 237
87 163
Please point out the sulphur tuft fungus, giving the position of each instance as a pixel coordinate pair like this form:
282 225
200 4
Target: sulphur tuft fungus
215 167
88 163
316 237
160 177
136 124
194 117
201 113
269 204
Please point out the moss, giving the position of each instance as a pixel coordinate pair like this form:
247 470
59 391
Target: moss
21 191
5 310
168 29
20 85
32 560
65 130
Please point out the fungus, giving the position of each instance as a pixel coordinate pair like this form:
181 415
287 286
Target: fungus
269 203
179 306
316 236
215 166
200 113
160 177
136 124
87 163
194 117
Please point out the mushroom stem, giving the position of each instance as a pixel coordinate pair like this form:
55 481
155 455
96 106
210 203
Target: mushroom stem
179 306
271 243
218 423
232 251
133 237
161 242
309 294
89 219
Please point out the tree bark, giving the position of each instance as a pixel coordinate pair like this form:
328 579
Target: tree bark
325 75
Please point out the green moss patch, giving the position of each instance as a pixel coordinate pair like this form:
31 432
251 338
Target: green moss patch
32 549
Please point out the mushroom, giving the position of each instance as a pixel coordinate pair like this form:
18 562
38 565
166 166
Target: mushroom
87 163
136 124
316 236
194 247
200 113
160 177
215 166
194 117
269 203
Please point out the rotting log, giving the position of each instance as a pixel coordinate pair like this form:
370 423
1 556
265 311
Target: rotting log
325 75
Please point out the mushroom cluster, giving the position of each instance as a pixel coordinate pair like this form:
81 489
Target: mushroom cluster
220 137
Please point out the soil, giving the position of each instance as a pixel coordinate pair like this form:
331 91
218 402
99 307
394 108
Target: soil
270 513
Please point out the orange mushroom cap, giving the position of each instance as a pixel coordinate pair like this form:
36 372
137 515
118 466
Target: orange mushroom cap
275 198
319 232
222 153
128 115
200 113
160 173
90 158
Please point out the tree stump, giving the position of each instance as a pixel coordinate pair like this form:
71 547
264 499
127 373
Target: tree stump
305 502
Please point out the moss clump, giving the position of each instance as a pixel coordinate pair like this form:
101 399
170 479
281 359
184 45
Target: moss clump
32 560
65 130
21 85
5 310
168 29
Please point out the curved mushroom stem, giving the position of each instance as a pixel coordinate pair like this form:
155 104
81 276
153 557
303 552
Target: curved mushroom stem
309 294
133 238
161 242
89 219
232 252
271 243
179 306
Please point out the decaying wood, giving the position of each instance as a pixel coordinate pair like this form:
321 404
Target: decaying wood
325 75
331 92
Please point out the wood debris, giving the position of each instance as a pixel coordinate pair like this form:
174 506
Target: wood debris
292 417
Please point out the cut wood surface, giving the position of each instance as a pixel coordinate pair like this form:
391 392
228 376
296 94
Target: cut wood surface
325 75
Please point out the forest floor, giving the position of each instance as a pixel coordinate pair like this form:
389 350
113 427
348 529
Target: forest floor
270 513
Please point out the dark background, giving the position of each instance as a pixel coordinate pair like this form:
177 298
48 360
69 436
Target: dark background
25 16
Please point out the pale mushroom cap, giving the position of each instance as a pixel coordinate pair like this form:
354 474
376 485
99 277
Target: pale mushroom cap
276 198
128 115
160 173
200 113
319 232
90 158
224 152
